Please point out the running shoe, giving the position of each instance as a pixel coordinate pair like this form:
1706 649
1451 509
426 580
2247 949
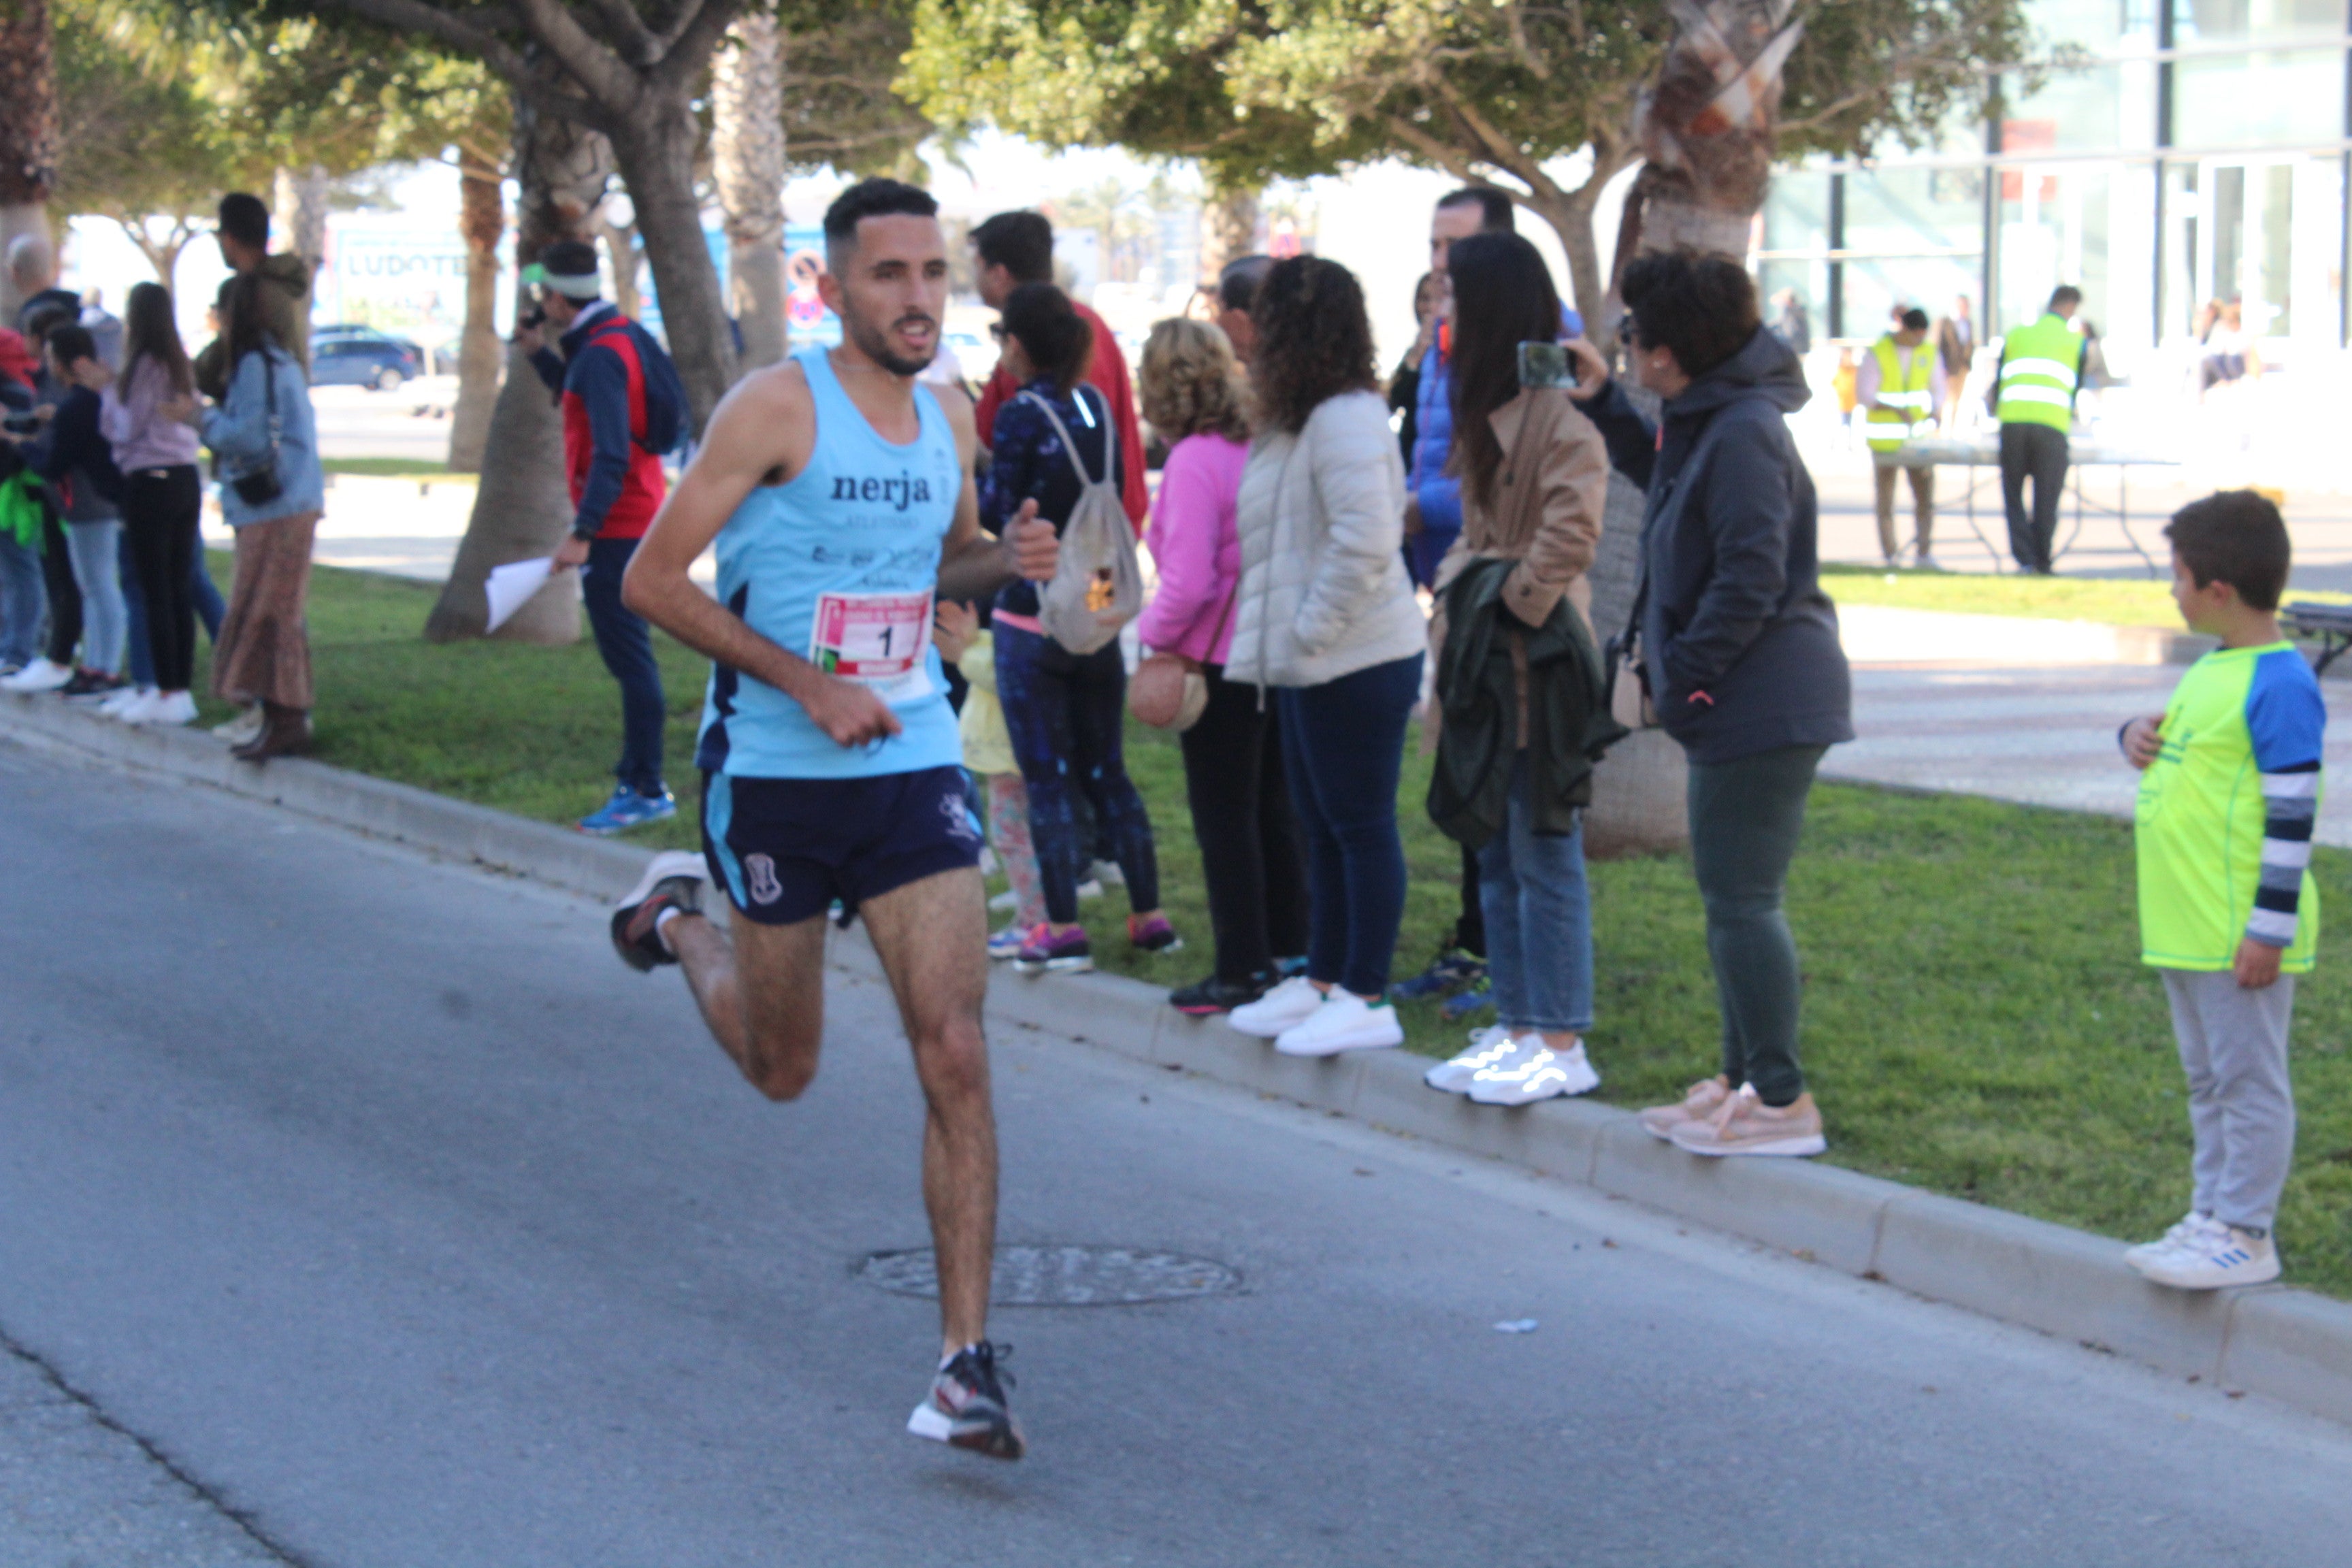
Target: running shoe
966 1406
2186 1232
164 710
1154 935
628 809
1459 1007
1451 971
1345 1022
1090 889
1535 1071
2215 1258
1008 942
674 880
1048 952
1107 873
1699 1101
1488 1046
1287 1005
1007 900
115 703
1744 1124
90 685
1205 998
41 674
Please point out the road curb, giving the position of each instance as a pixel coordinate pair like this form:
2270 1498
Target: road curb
2288 1344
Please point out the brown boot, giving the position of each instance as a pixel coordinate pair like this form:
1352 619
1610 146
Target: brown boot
285 732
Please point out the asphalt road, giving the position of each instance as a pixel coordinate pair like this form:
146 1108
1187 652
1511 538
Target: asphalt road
357 1210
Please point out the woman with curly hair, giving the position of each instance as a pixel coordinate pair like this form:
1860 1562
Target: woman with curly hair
1250 858
1326 617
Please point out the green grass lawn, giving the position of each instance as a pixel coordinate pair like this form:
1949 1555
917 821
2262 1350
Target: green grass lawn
2112 601
1977 1021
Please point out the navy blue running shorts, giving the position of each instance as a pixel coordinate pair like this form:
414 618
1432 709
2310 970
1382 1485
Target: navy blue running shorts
785 850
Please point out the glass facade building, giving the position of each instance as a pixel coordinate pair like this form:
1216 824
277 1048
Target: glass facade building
2202 153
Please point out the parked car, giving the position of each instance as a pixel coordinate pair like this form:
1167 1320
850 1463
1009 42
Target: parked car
349 360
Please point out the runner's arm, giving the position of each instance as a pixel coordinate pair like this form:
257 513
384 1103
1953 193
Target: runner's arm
972 564
765 427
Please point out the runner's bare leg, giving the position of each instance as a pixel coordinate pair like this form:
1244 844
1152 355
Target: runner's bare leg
762 991
932 938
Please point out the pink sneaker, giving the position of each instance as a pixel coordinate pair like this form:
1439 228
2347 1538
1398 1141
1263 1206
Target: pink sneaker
1049 953
1153 935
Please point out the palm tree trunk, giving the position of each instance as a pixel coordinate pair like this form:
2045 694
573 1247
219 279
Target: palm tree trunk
655 151
482 220
747 150
299 199
523 507
28 132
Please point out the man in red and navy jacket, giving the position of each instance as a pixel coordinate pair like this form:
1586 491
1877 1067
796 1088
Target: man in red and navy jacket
601 381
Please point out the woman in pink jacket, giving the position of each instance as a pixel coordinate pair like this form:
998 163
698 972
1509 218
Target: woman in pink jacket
1251 854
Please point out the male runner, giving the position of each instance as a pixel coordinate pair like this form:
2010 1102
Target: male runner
841 498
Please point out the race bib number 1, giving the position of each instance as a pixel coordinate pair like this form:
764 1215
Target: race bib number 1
877 639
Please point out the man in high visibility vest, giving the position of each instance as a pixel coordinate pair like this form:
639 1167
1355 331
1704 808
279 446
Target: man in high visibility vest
1900 386
2033 398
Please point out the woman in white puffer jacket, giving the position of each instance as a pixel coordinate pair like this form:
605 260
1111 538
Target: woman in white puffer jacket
1326 619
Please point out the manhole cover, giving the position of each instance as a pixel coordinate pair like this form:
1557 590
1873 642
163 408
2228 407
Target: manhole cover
1063 1276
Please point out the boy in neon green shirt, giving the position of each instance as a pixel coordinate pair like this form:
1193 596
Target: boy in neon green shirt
2229 792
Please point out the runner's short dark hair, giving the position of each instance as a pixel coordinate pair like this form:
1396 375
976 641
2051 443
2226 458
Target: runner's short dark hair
1702 307
875 198
1495 210
1019 242
246 219
2235 537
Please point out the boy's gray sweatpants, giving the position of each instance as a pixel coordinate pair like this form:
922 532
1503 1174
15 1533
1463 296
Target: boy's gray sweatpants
2240 1108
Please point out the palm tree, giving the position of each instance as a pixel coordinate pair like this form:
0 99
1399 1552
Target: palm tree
28 131
747 154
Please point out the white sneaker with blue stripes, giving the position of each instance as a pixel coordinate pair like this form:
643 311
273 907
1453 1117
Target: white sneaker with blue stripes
2213 1260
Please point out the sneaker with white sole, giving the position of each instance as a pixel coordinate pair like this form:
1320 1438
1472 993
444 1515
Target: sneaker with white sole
673 879
113 706
1488 1046
1744 1124
163 709
1286 1006
2186 1231
966 1406
1007 900
1535 1072
1345 1022
242 729
1699 1102
41 674
2213 1260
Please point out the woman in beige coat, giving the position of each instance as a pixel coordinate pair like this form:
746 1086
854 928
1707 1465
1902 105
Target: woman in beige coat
1535 477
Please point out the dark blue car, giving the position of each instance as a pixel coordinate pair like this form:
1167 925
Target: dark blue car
341 357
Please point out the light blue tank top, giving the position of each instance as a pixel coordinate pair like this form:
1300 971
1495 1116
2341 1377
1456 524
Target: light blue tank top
838 565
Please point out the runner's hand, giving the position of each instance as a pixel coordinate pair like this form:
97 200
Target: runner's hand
2142 742
850 713
1033 545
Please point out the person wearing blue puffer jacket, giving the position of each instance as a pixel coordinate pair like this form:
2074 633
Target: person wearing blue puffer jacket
1432 522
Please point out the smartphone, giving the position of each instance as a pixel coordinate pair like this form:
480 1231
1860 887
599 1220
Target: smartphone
1546 364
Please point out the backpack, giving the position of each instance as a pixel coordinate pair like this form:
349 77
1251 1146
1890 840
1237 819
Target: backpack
664 393
1098 586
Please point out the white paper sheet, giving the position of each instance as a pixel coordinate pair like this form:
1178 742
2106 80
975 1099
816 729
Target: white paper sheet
511 586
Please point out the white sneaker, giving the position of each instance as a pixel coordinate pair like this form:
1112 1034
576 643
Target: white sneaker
1287 1004
1535 1071
244 727
41 674
1928 562
2213 1260
1345 1022
166 709
113 706
1107 873
2185 1232
1488 1046
1090 889
1007 900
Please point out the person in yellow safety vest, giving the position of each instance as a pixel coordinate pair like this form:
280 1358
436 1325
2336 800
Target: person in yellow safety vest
2033 397
1900 386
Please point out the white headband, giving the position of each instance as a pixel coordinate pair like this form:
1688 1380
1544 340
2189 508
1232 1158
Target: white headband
573 285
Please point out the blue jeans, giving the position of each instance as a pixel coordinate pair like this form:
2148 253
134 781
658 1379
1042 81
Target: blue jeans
1539 914
1343 748
139 655
96 550
622 637
21 601
1066 714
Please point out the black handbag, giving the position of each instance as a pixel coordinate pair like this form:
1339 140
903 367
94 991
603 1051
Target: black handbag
261 486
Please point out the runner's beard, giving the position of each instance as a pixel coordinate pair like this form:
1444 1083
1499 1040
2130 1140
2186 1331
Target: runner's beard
875 344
